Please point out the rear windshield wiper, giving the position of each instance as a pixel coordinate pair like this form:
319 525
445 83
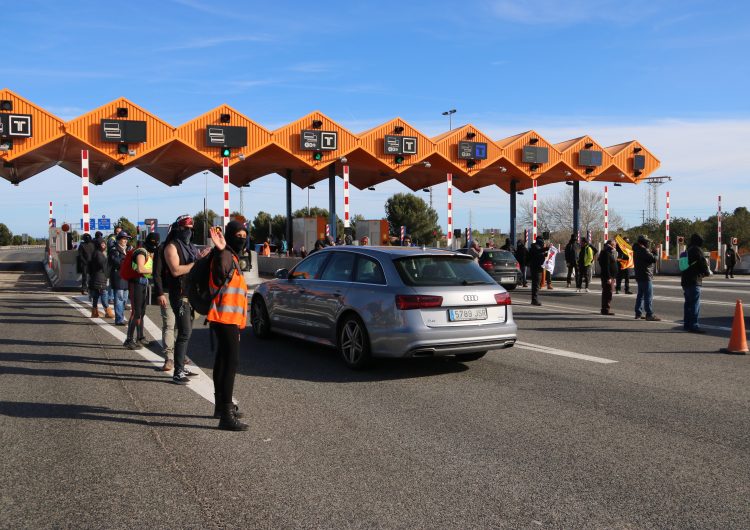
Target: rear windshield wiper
473 282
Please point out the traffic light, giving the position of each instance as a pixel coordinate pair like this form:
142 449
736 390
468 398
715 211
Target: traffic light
225 152
399 159
317 156
122 149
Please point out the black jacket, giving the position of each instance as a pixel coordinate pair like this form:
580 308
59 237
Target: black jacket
731 256
607 263
85 252
698 268
571 253
644 263
116 257
522 255
537 255
98 271
160 275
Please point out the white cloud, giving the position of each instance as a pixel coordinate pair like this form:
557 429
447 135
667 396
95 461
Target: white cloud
567 12
199 44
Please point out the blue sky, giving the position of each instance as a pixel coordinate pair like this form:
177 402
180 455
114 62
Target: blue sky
672 74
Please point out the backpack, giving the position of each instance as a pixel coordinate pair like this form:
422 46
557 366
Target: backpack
198 285
126 269
684 263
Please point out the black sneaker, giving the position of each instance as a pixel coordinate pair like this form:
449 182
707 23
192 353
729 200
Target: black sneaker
130 344
180 379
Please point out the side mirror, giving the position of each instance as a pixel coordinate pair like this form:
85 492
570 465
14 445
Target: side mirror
281 274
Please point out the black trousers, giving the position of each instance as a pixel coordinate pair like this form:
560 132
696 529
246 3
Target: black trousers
606 295
622 274
730 270
183 318
536 275
572 268
138 309
227 359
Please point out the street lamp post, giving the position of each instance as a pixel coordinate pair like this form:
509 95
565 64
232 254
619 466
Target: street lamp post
450 114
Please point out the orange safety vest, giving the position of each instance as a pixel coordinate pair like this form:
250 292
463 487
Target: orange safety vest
229 302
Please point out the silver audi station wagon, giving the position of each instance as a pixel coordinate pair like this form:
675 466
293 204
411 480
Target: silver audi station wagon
387 302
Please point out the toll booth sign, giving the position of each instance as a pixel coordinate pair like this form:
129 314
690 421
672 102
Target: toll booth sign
472 150
123 131
226 136
535 155
15 125
589 158
400 145
319 140
639 162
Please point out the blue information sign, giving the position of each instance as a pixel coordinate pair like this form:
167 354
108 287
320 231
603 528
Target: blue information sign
104 223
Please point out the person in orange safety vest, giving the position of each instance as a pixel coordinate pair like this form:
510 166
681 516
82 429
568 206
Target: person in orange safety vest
227 315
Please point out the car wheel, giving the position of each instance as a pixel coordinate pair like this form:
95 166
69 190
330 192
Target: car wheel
259 318
353 343
467 357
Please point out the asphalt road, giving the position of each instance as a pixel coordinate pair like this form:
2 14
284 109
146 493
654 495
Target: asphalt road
534 436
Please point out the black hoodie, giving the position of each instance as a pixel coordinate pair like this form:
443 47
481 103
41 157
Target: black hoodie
698 267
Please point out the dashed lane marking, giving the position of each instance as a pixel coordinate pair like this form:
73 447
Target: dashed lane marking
562 353
201 385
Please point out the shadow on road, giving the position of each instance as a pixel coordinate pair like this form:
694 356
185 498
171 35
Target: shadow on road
22 409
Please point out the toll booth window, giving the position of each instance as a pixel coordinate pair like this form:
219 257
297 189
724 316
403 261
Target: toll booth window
309 269
369 270
340 267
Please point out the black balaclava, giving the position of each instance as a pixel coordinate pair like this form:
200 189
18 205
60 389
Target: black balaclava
696 240
152 241
234 242
86 237
184 234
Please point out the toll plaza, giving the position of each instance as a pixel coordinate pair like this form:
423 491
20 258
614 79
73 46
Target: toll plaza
121 135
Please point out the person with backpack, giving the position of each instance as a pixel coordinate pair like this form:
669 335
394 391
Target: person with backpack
98 279
692 280
141 263
644 263
571 259
227 316
180 255
115 257
161 292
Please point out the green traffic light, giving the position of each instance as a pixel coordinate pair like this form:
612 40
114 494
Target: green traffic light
226 152
399 159
318 156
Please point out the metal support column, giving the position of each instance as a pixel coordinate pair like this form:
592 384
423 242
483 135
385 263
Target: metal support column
332 199
576 208
513 213
289 208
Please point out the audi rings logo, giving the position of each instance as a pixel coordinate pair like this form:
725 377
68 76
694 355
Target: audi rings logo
471 298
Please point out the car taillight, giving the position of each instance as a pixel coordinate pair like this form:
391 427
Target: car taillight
417 301
488 266
518 266
502 298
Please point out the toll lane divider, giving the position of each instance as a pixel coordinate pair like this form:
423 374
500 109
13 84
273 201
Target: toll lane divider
201 385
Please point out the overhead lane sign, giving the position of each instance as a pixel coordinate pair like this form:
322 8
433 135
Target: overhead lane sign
319 140
15 125
226 136
400 145
472 150
123 131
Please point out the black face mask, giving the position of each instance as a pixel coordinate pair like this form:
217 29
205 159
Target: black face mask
185 235
236 243
150 246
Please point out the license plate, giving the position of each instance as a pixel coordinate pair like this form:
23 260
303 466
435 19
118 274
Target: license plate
475 313
508 279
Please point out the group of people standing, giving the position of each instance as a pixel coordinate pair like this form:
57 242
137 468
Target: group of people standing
166 267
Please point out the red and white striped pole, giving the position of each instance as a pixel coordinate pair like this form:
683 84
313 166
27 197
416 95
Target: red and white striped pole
85 188
606 214
225 173
666 242
403 234
533 232
450 210
346 196
328 232
718 219
50 214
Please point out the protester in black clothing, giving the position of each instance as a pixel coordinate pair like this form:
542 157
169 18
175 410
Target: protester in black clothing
522 257
143 264
623 273
537 255
571 259
85 252
608 270
507 246
180 254
730 260
692 281
161 291
644 261
98 270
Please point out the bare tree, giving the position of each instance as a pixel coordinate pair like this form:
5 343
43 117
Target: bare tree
555 213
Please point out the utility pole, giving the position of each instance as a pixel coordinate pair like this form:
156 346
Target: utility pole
652 199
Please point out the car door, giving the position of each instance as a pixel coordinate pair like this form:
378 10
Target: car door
326 294
288 311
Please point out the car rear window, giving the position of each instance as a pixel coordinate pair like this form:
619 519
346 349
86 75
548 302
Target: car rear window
433 271
498 256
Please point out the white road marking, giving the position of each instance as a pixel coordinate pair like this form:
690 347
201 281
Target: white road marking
562 353
201 385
